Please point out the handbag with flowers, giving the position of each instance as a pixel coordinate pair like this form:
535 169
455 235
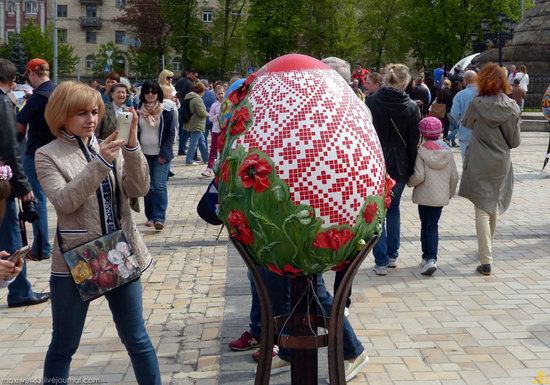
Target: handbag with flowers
101 265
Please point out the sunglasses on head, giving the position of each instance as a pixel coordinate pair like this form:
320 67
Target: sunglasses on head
154 92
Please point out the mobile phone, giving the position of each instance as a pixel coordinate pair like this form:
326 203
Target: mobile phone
21 253
123 125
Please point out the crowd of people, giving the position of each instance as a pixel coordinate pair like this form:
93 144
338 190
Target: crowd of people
74 158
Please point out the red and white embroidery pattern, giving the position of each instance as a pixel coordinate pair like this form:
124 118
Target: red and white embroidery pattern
320 137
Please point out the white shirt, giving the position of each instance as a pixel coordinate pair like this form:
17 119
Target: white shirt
523 80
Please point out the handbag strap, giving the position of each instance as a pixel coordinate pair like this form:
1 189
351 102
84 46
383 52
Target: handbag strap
398 133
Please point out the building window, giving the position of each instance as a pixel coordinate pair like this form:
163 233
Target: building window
208 16
90 62
120 3
91 11
120 37
30 7
91 37
61 10
62 35
176 64
11 6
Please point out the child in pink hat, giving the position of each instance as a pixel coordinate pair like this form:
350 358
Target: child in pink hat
434 181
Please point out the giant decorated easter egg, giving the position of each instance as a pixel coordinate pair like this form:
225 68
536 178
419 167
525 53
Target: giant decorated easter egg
546 104
302 181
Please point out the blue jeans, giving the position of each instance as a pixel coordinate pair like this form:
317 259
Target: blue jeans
41 245
465 137
156 200
69 316
429 236
197 139
183 138
279 290
388 245
10 240
453 129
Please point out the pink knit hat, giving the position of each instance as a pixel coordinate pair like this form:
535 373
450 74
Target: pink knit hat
430 128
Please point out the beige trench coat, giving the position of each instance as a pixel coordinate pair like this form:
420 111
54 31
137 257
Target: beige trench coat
488 176
70 183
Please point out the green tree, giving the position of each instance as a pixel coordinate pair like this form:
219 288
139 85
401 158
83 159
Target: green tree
188 34
40 44
146 21
332 29
101 59
17 54
274 27
227 30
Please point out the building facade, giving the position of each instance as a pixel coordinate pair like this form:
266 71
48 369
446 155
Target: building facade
15 14
85 25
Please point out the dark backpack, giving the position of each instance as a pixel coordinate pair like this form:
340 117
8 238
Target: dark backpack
186 110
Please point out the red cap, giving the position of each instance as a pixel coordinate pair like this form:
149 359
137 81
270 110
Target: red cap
37 65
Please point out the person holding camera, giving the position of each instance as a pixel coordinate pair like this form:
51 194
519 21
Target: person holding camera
90 184
32 115
20 292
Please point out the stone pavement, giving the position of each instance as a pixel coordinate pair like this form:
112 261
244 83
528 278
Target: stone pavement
454 328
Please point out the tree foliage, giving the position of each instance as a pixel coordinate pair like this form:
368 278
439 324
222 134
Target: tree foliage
146 21
31 42
101 59
227 33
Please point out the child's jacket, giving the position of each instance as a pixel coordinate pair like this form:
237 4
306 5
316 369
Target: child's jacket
435 176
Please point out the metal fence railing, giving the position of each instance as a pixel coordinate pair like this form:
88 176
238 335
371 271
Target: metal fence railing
536 89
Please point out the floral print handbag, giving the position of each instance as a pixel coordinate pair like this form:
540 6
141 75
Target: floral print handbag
101 265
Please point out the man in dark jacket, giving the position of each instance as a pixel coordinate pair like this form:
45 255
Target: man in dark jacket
183 87
38 135
20 290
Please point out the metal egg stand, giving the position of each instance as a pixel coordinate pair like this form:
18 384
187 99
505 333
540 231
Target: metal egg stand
300 336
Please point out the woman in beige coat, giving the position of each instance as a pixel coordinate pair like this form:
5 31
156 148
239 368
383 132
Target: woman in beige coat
90 184
488 176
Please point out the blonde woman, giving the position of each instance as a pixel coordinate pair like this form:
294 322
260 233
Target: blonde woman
165 79
90 184
395 117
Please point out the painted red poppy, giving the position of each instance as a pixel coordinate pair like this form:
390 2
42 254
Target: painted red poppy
254 172
239 228
225 171
370 212
333 239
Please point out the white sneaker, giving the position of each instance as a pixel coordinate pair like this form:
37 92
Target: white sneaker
429 268
353 367
392 264
208 172
424 261
380 270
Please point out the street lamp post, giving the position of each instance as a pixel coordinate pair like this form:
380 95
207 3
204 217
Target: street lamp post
504 33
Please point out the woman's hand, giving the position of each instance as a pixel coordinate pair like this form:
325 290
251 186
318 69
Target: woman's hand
162 160
110 147
133 140
9 270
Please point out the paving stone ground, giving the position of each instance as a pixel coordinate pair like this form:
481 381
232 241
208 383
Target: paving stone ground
455 328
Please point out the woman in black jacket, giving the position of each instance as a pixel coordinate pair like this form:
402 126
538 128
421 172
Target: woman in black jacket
157 130
395 117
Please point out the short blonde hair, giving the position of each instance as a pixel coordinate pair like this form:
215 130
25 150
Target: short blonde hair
67 100
164 74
